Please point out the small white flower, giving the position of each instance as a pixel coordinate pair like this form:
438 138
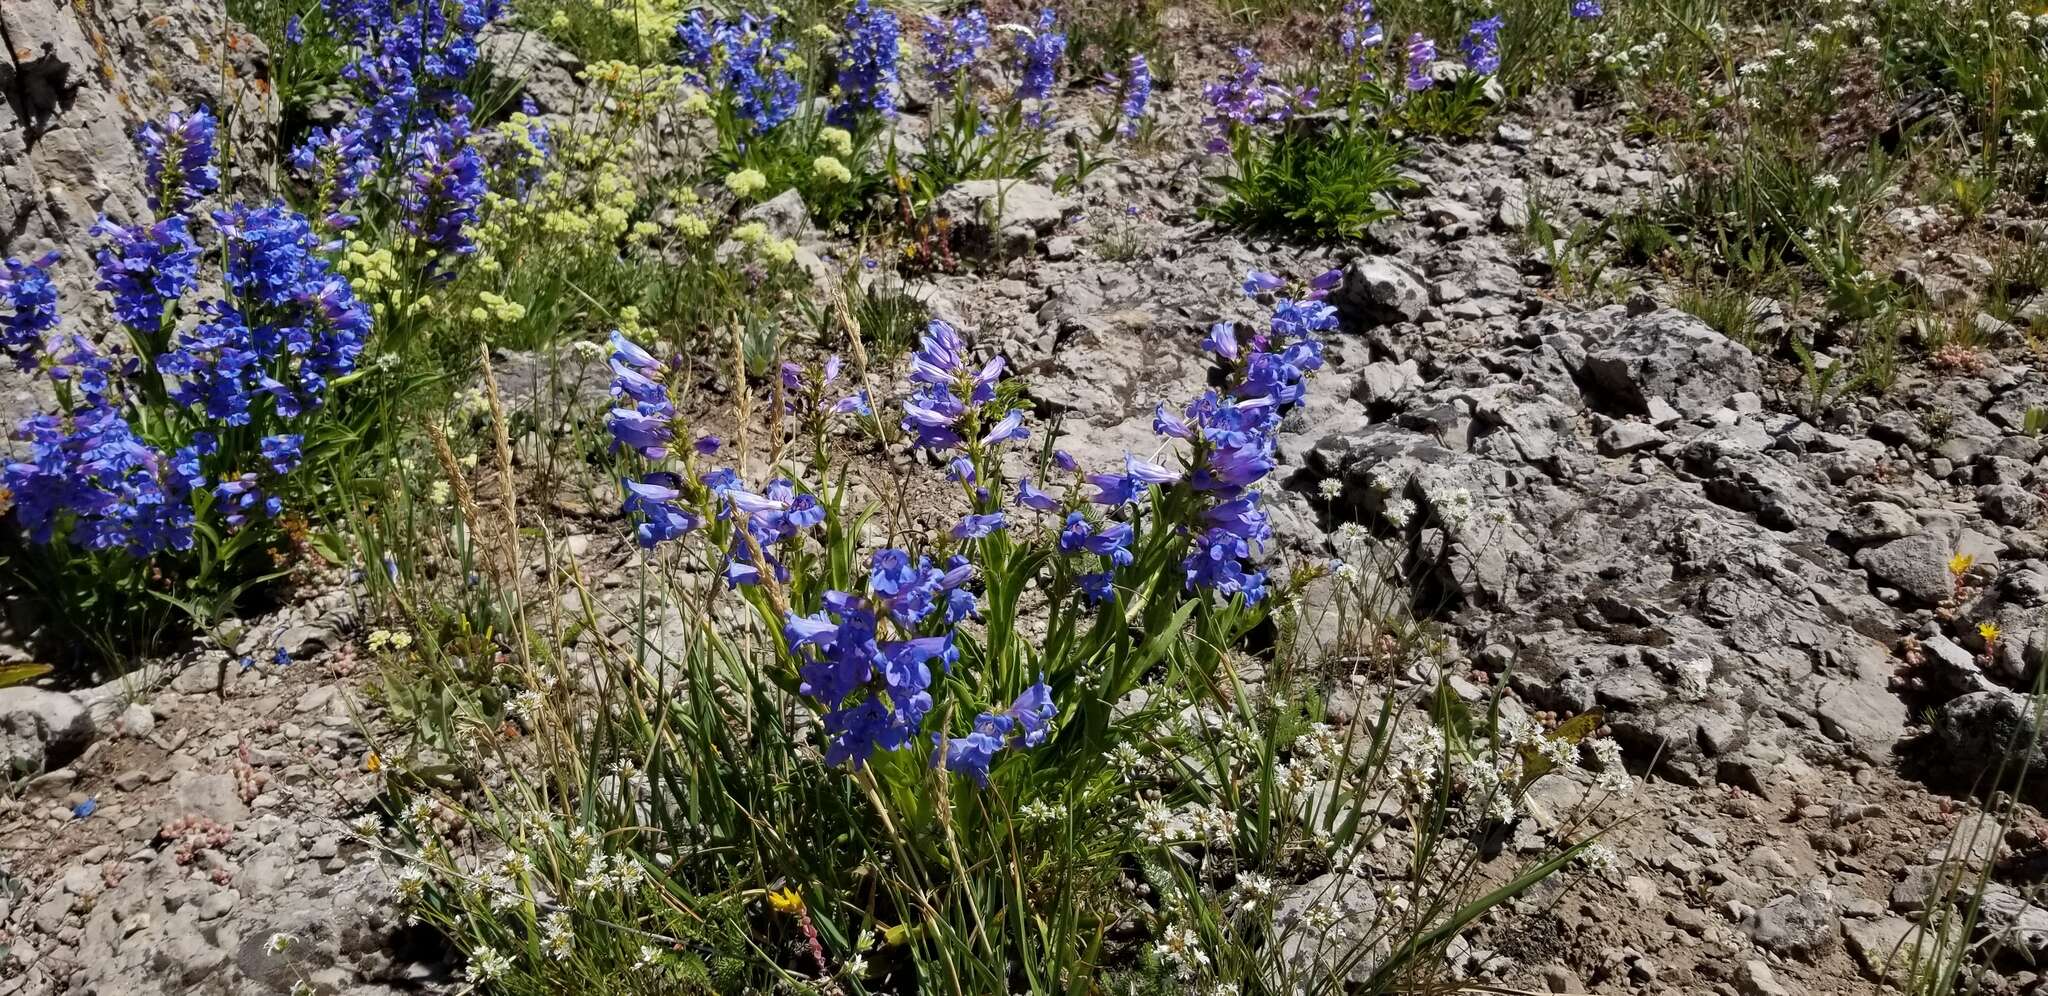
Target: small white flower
1182 948
486 964
1329 488
557 936
279 943
1827 181
1399 512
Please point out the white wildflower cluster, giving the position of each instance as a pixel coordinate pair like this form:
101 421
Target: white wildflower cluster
1599 859
1039 811
1453 506
486 964
1181 948
1159 826
1212 825
1613 774
1416 759
1253 891
557 936
1329 488
1399 512
610 872
1321 748
1128 760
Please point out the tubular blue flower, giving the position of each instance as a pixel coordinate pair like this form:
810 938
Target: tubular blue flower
90 470
971 755
1260 282
1033 711
978 526
645 431
241 499
1113 540
1065 461
1421 52
289 325
1098 587
443 191
177 161
1034 499
1115 489
1169 424
1222 340
29 299
1323 283
1481 45
1217 564
742 60
281 452
1147 472
653 501
1075 535
867 65
1586 9
146 268
951 46
1137 92
1010 429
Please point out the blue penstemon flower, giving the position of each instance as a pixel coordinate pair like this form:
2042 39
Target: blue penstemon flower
867 65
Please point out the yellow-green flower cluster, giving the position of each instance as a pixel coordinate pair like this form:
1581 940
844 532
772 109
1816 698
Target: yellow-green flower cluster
774 250
831 170
839 140
746 182
492 307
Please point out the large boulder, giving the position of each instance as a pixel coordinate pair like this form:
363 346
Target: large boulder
1665 354
1002 217
41 729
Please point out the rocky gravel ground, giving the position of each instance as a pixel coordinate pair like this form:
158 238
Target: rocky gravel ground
1780 612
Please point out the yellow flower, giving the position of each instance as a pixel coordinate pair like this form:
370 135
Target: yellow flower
751 233
1960 564
559 22
746 182
786 901
778 251
1989 631
831 169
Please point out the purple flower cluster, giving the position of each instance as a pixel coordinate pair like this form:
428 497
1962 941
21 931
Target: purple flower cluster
259 355
950 46
1245 99
867 65
1360 36
116 491
742 61
411 57
290 325
177 161
1586 9
936 413
1038 55
1233 430
30 299
1023 725
1481 45
877 692
1137 92
444 187
146 268
641 414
